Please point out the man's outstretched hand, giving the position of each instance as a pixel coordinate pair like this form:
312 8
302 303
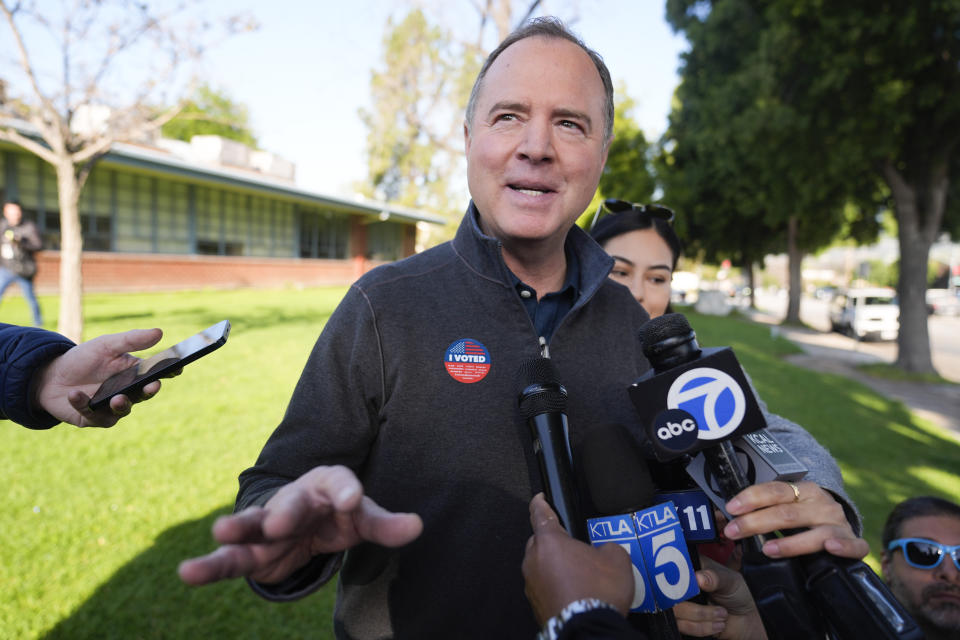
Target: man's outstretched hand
322 511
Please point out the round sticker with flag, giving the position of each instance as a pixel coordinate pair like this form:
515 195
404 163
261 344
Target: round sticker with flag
467 361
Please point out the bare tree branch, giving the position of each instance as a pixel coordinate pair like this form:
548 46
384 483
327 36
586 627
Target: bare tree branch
12 135
74 153
25 63
530 10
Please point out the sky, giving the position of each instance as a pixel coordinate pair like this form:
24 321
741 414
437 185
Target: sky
305 73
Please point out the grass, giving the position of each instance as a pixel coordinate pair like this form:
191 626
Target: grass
96 521
891 372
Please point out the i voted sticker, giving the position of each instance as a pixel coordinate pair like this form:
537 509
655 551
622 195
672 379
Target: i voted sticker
467 361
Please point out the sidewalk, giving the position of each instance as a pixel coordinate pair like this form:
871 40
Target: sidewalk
938 403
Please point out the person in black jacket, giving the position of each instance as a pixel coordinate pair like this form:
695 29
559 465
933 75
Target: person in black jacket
19 240
402 461
46 379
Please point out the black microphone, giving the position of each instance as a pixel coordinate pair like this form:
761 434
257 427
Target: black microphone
619 484
543 404
698 400
762 459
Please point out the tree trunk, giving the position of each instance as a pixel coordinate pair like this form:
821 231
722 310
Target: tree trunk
794 265
751 282
919 210
70 321
913 339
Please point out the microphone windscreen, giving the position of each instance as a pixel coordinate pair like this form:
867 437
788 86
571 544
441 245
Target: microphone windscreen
615 470
669 325
540 388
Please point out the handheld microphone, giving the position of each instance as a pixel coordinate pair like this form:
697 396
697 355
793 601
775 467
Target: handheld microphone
701 386
622 490
762 459
543 403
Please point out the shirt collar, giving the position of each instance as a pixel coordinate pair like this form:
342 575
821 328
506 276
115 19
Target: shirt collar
483 253
571 283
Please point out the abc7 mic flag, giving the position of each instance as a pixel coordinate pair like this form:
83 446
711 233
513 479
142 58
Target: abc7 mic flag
696 405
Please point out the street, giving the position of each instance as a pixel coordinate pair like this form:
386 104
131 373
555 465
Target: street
944 334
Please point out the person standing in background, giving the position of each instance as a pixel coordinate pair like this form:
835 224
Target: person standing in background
921 563
19 240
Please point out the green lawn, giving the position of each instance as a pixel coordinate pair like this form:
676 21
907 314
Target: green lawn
96 521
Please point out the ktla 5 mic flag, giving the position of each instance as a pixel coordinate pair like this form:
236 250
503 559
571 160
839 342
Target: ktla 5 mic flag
662 571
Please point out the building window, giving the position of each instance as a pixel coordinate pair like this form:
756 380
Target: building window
385 241
323 234
96 232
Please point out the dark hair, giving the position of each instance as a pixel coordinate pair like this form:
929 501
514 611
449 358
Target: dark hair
917 507
12 201
615 224
548 27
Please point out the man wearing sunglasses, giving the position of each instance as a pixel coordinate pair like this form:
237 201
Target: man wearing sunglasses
921 563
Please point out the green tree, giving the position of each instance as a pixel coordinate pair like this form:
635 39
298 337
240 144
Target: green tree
723 162
413 152
748 152
886 96
211 112
628 174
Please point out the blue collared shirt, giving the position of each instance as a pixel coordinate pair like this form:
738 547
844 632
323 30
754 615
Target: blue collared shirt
547 312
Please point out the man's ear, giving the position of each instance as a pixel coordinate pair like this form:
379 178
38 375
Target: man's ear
466 137
885 561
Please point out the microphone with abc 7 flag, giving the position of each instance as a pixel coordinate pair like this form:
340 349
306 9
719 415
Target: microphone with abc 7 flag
813 596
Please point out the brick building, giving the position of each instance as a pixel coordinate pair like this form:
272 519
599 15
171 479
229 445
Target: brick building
211 213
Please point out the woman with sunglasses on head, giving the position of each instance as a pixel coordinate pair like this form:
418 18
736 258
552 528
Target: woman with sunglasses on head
645 250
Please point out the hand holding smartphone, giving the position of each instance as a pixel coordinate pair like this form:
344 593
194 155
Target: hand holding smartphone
130 382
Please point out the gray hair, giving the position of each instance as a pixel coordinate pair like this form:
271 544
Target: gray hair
548 27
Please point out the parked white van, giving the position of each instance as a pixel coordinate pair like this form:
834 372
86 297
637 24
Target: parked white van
866 313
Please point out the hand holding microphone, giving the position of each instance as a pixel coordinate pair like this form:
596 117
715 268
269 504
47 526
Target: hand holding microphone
776 506
732 613
798 599
559 570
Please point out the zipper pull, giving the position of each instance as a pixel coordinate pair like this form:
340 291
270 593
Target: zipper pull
544 349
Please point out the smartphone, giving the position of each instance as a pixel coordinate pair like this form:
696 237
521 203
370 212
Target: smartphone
161 365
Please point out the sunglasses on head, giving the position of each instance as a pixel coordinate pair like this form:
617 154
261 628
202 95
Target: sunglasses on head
925 554
619 206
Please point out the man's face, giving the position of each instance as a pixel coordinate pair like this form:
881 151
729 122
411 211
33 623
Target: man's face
13 213
535 149
932 596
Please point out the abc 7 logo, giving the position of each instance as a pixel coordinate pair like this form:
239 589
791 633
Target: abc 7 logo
676 429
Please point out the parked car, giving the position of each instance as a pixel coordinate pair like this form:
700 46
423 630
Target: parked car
824 293
944 302
866 313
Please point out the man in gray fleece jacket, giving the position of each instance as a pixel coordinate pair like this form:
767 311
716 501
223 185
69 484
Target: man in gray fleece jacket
402 460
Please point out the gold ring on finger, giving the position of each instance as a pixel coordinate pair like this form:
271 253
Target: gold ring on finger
796 492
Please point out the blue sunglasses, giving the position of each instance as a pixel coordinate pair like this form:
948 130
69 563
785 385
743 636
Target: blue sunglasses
925 554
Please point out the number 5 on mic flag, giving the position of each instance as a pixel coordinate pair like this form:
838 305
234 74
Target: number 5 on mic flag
621 530
663 573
